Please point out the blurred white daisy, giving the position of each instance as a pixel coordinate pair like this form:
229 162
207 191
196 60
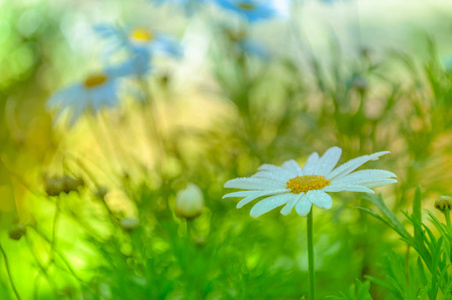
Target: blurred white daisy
251 10
299 188
90 95
139 40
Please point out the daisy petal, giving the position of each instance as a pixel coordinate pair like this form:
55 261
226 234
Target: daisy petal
365 176
272 176
378 183
248 193
347 188
252 184
274 169
256 195
267 204
353 164
328 161
311 164
320 199
287 209
303 207
293 167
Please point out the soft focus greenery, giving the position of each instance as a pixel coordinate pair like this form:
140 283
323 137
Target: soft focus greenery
88 212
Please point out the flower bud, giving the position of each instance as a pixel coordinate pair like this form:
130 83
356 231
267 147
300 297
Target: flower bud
17 232
54 186
189 202
57 185
360 84
443 203
129 223
72 184
101 192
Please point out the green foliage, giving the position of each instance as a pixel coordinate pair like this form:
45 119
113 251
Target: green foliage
116 233
430 277
359 291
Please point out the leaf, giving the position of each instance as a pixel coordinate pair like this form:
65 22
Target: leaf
358 291
417 213
378 202
421 271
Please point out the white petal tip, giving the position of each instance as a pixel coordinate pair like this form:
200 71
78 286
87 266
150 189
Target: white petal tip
380 154
325 207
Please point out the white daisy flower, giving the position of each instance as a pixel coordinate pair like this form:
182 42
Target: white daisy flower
91 94
140 40
299 188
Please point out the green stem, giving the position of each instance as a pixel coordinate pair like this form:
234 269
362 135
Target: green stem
311 256
447 215
9 273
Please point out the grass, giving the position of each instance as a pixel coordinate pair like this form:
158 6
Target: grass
89 212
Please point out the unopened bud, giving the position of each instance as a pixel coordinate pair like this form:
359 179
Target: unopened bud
72 184
360 83
129 223
17 232
57 185
101 192
189 202
54 186
443 203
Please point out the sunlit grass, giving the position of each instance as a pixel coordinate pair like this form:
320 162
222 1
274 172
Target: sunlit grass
93 210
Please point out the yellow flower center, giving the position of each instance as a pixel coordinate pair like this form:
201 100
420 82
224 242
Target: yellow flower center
141 35
246 6
302 184
95 80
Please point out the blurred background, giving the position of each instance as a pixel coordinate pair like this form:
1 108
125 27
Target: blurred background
185 95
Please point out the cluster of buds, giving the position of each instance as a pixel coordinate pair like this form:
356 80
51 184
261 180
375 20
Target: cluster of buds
56 185
444 203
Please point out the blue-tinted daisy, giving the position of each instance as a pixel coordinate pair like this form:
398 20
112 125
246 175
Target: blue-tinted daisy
251 10
299 188
92 94
140 41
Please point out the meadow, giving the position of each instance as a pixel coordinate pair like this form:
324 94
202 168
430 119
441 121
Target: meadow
133 132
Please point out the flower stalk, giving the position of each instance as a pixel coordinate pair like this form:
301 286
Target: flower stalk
311 256
16 293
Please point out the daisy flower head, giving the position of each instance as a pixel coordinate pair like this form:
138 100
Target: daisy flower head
139 40
251 10
90 95
299 188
